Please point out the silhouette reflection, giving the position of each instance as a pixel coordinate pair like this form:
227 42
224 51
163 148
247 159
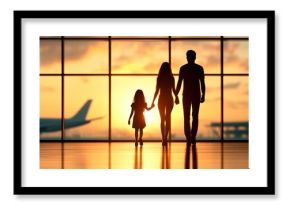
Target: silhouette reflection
138 164
222 155
194 156
165 159
187 156
176 155
110 156
62 155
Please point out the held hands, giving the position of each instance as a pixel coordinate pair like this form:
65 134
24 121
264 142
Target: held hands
202 99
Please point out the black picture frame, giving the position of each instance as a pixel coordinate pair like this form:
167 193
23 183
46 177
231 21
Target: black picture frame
269 16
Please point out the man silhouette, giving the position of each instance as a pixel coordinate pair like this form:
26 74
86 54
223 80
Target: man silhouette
192 76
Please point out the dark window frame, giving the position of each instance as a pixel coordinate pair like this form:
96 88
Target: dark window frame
109 39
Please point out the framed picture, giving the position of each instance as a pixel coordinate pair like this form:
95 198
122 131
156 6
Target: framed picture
144 102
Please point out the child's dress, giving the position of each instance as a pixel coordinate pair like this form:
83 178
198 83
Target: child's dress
138 118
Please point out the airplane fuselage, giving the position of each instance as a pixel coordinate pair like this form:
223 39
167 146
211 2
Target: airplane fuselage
54 124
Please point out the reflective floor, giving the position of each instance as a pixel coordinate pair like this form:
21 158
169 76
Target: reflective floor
124 155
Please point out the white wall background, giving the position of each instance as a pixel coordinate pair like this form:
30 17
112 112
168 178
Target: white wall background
282 99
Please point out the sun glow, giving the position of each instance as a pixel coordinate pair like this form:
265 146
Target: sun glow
151 117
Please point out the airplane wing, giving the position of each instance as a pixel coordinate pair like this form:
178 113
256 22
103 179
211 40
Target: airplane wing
97 118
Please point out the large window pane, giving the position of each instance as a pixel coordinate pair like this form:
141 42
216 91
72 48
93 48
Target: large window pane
207 54
138 56
123 90
209 113
78 90
50 107
236 56
236 107
86 56
50 56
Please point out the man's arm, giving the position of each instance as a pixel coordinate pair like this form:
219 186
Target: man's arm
202 84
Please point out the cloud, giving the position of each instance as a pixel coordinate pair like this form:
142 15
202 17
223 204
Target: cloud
144 55
212 60
232 85
213 99
226 86
50 50
231 58
237 105
212 89
235 85
236 55
207 53
231 46
244 64
148 55
75 49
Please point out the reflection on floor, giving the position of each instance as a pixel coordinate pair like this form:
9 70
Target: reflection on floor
124 155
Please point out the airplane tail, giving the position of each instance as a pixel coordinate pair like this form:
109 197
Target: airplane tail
82 113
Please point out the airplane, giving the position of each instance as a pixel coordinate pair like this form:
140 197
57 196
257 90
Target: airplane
54 124
232 130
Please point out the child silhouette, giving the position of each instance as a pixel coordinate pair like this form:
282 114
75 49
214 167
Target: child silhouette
137 108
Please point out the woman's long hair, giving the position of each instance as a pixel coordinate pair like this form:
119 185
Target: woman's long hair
165 75
139 98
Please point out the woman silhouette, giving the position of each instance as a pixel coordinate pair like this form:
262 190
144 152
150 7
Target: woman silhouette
165 84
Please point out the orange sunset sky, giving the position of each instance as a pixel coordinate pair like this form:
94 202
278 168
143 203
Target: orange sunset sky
142 57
